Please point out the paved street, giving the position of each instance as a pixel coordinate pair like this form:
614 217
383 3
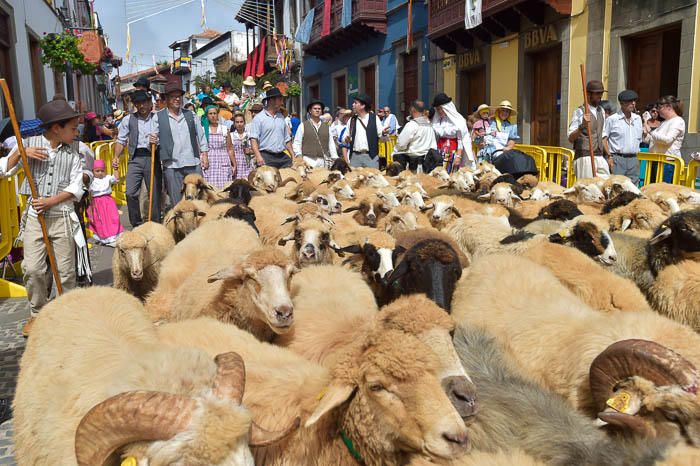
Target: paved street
13 314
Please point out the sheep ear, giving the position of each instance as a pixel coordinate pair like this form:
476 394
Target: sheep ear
305 200
559 237
233 272
484 197
291 219
428 207
335 396
352 209
353 249
515 197
626 224
338 250
456 211
662 235
570 190
424 195
284 240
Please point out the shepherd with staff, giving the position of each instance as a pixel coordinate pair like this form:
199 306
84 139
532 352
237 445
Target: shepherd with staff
582 119
54 182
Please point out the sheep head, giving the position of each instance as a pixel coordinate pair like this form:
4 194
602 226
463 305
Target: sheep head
240 191
388 197
308 210
243 212
265 276
674 240
195 187
586 193
378 256
131 247
640 214
325 198
341 165
413 196
166 428
618 184
501 194
590 240
371 178
444 210
313 242
463 181
391 383
561 209
646 388
367 212
267 179
402 218
183 219
342 189
300 166
440 173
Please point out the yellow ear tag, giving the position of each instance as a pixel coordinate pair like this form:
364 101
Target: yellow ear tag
129 461
620 402
563 233
320 395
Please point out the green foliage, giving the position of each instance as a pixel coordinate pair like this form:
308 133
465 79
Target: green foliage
59 50
294 89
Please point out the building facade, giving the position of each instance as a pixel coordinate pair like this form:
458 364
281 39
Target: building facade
370 54
530 52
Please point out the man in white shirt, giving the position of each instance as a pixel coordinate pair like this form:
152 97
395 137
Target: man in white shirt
578 134
416 138
363 132
622 134
313 140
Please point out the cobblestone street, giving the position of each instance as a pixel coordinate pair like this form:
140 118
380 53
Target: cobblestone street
13 314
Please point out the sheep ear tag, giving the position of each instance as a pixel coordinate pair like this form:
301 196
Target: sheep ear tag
624 402
333 397
129 461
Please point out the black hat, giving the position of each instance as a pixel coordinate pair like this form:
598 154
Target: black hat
274 92
56 111
226 84
627 95
173 87
140 96
207 101
312 103
441 99
144 82
364 98
595 86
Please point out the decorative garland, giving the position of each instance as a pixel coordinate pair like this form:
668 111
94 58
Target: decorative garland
59 50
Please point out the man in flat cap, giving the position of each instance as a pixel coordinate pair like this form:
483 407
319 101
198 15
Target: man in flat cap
622 134
578 134
138 131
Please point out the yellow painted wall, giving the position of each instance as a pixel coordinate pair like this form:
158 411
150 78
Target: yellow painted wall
693 123
607 26
449 76
504 71
578 35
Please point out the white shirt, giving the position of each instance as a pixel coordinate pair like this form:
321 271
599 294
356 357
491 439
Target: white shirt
623 135
296 145
577 118
361 134
667 138
388 120
445 129
102 186
416 138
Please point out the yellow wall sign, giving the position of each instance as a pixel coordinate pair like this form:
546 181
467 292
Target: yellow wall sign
541 36
469 58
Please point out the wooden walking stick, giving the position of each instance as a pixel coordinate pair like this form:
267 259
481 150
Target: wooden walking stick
150 193
32 185
588 123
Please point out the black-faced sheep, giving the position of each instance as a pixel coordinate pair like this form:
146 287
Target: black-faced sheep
227 209
194 187
137 258
554 339
240 191
374 252
620 200
341 165
561 209
641 214
384 397
313 243
615 185
120 392
184 218
267 179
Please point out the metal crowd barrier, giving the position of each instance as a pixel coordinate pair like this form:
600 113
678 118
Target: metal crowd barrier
560 163
9 229
104 150
539 154
692 173
386 148
655 167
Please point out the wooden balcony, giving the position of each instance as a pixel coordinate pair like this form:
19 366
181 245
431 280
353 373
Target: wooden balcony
499 19
368 18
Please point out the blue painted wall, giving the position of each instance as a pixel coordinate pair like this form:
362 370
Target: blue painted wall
379 46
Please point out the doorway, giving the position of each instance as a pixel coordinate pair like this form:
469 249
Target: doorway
545 104
340 92
472 89
369 81
653 60
410 81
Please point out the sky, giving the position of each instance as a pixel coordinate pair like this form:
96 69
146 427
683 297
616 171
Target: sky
153 35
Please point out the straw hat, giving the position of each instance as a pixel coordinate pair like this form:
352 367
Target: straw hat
505 104
267 85
249 81
482 107
119 114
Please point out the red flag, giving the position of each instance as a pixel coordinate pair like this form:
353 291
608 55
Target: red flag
326 30
249 64
261 58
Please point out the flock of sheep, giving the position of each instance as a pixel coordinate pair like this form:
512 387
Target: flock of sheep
340 317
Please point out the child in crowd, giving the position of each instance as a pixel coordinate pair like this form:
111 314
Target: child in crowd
103 212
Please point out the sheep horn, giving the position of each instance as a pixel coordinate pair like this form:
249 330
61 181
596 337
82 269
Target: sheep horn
260 437
642 358
286 181
627 422
351 209
230 377
661 234
130 417
293 218
626 224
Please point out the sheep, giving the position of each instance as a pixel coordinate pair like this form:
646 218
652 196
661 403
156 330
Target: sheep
341 165
585 191
226 209
683 193
413 196
486 167
194 187
440 173
388 197
528 181
384 397
485 181
119 392
367 212
184 218
250 292
370 177
325 197
620 200
543 227
618 184
526 212
299 170
375 253
668 201
137 260
343 189
220 238
557 341
301 191
675 293
561 209
640 214
461 181
240 191
267 179
402 218
273 223
393 169
448 208
313 243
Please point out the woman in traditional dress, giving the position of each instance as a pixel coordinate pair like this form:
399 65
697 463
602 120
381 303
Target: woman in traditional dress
222 161
452 132
241 147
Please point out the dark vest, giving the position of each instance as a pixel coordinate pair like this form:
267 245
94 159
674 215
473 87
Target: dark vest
315 144
372 138
581 146
165 136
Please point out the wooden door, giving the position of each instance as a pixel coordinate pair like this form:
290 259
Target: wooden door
314 91
652 64
410 81
340 91
546 69
37 70
472 87
5 48
369 81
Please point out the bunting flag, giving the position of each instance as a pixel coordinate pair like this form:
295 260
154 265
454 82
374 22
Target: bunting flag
261 58
472 13
346 16
203 21
303 33
326 30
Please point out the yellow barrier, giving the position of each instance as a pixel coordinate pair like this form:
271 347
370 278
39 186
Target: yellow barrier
386 149
540 157
105 152
9 229
692 173
560 159
659 161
